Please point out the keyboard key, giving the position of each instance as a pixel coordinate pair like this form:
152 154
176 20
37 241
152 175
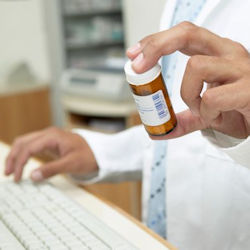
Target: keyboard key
8 240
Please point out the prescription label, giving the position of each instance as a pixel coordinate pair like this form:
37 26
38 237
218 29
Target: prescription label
153 109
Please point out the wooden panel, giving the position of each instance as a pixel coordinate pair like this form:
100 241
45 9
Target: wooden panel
126 195
24 112
133 119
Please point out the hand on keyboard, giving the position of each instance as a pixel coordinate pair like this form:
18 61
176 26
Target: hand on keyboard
72 154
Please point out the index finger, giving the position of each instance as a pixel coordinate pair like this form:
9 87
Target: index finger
186 38
30 149
18 144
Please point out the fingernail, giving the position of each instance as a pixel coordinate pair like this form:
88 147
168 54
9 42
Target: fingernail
37 175
6 172
138 60
134 48
7 167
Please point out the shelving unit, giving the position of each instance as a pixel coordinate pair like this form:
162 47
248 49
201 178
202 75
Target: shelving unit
70 47
74 14
96 45
92 31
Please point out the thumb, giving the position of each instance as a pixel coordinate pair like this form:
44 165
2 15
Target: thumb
187 123
50 169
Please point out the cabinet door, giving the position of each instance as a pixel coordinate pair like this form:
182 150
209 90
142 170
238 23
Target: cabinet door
23 112
125 195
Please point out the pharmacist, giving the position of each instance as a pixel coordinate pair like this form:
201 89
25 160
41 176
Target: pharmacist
196 196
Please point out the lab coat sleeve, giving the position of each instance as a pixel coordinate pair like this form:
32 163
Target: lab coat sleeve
237 149
119 156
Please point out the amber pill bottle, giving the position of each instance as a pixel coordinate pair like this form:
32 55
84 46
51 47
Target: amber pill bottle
152 100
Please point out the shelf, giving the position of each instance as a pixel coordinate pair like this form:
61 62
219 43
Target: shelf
93 13
8 89
98 124
71 46
94 107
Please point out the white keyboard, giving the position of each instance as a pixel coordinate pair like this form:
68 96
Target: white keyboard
42 217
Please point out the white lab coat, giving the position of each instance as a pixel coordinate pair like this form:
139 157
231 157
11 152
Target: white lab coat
207 193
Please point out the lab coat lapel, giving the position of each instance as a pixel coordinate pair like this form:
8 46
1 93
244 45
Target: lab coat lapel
207 9
168 13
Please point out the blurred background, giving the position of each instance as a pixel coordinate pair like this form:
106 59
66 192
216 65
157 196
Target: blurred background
61 63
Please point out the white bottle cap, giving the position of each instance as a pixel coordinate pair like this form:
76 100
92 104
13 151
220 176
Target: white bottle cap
141 79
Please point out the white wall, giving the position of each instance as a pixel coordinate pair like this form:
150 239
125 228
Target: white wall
22 37
142 17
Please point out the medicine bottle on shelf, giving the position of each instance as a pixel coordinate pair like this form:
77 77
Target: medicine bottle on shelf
152 100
